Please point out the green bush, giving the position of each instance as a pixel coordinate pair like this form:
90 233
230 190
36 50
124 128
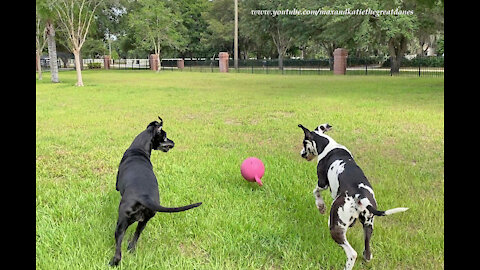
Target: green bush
94 65
428 61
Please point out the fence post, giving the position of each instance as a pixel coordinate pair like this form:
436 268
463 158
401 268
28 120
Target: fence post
223 61
153 62
106 61
419 68
181 64
340 61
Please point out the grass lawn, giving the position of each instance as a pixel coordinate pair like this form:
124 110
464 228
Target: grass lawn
393 126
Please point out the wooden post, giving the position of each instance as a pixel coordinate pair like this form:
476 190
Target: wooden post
223 61
106 61
180 64
340 61
153 62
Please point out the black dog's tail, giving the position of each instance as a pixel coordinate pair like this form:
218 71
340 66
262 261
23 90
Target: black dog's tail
386 212
157 207
176 209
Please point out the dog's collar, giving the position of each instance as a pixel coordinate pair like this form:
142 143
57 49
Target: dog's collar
330 146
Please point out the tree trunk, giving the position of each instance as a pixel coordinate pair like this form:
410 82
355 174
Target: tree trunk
330 59
39 66
280 61
159 66
64 60
329 47
397 47
395 64
78 68
52 52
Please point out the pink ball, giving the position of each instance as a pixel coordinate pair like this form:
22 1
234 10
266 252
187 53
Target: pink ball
252 170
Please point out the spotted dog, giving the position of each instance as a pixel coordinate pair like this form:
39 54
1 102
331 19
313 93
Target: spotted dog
352 194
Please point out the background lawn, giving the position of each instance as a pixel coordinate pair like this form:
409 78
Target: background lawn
392 125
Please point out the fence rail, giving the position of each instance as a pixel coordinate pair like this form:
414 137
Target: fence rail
355 66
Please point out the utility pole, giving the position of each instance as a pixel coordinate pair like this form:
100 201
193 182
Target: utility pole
235 45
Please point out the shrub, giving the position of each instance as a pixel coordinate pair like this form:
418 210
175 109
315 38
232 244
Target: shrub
427 61
94 65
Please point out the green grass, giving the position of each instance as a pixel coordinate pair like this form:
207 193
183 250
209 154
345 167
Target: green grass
392 125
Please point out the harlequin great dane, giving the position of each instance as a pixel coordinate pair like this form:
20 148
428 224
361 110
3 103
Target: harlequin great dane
352 194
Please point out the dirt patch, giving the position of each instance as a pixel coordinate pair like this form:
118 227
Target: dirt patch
234 122
281 114
192 250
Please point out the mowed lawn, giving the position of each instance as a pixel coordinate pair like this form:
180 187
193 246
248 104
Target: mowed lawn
393 126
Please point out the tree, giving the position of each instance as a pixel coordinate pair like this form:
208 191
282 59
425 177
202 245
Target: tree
196 24
398 30
46 14
372 33
280 28
41 39
157 26
75 17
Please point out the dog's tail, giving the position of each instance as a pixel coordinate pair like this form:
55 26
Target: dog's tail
176 209
157 207
387 212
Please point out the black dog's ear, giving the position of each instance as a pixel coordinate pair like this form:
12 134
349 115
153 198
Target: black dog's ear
161 122
154 124
158 126
308 135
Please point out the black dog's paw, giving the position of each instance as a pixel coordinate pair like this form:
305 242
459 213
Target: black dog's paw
131 246
114 261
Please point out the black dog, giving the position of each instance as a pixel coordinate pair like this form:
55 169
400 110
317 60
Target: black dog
352 194
138 185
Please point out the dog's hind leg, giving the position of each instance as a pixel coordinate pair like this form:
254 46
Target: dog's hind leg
122 226
124 220
341 215
367 222
133 243
339 235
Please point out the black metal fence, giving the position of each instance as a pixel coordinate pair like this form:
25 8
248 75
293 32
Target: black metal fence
417 67
355 66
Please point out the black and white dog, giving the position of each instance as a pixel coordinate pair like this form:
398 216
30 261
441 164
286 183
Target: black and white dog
352 194
138 185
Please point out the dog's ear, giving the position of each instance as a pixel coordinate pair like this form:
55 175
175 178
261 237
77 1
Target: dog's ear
156 126
308 135
152 124
325 127
161 122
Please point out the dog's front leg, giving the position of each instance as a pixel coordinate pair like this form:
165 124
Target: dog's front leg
322 184
319 200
